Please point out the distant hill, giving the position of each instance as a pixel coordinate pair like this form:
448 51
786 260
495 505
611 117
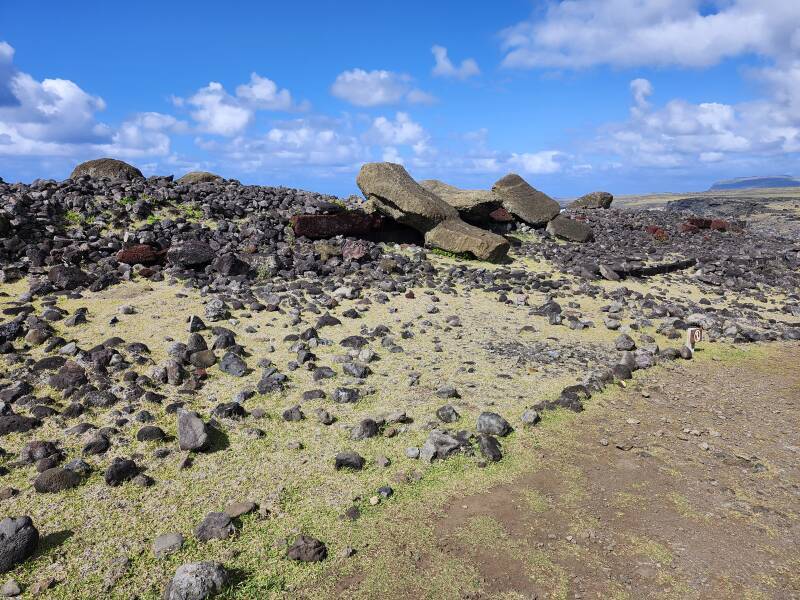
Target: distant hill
741 183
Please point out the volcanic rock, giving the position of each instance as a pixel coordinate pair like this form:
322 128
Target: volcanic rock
191 254
350 223
307 549
198 177
139 254
570 229
474 206
196 581
18 541
524 201
192 431
489 422
106 167
392 192
593 200
454 235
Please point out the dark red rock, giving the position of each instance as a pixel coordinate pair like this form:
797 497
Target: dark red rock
699 222
657 232
318 227
501 215
140 254
722 225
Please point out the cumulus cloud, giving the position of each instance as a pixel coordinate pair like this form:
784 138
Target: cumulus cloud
641 89
376 88
304 142
218 112
680 133
48 117
444 67
57 118
401 130
263 93
146 134
689 33
539 163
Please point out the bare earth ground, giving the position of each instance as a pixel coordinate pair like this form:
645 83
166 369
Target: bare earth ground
684 485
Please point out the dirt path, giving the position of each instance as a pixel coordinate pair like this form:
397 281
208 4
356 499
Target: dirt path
684 485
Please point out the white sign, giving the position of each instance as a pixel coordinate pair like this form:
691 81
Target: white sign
693 335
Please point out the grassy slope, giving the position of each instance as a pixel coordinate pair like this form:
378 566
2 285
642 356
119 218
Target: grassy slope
87 528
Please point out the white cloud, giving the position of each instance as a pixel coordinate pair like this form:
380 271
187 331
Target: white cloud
680 133
56 118
308 142
6 52
53 110
402 130
418 96
641 89
216 111
220 113
539 163
376 88
445 68
691 33
263 93
146 134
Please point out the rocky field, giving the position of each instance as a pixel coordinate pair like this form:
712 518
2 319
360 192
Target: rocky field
206 385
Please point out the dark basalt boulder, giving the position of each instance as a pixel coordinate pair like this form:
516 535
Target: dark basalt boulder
307 549
17 424
570 229
56 480
18 541
191 254
67 277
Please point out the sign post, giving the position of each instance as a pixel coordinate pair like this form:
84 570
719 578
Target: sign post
693 335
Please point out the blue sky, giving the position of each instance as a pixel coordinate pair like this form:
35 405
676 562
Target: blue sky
630 96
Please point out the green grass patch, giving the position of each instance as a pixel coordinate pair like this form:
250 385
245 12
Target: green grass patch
455 255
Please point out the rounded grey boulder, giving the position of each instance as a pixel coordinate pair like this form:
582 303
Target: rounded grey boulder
18 541
110 168
192 431
494 424
196 581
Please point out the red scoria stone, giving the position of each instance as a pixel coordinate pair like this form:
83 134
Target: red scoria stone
318 227
141 254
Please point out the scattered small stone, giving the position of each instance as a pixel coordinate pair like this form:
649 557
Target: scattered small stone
166 544
307 549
